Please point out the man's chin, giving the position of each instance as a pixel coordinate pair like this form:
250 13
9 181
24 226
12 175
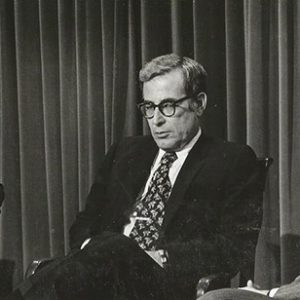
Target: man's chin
166 145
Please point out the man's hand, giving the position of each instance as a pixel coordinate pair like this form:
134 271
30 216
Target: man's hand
251 287
160 256
86 241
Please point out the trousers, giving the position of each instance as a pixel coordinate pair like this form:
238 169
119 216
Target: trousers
110 267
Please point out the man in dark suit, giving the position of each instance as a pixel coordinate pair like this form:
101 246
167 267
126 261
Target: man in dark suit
165 209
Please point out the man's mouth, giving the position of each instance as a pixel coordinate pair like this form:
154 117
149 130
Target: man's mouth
161 134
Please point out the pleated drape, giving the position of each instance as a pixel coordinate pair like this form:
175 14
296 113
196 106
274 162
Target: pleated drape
289 126
69 89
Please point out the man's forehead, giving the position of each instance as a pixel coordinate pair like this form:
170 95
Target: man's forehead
175 74
169 85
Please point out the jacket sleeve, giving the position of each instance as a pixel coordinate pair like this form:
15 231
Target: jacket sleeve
231 246
96 200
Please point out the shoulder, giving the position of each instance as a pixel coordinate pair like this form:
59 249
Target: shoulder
219 147
225 157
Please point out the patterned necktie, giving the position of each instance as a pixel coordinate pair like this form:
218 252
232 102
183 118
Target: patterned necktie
149 211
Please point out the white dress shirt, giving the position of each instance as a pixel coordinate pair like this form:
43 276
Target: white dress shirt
173 171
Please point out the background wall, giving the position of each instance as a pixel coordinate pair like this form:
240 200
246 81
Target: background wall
68 89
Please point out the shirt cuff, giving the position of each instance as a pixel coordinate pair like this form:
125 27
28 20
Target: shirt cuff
85 243
272 292
164 256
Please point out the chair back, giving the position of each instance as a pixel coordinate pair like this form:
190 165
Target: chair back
263 166
221 280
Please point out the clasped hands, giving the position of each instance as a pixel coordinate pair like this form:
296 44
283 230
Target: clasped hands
159 256
251 287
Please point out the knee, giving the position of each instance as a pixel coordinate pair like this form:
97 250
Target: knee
225 294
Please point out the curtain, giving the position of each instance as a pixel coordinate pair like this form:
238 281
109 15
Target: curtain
69 88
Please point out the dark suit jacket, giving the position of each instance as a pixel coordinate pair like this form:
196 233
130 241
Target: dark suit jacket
213 214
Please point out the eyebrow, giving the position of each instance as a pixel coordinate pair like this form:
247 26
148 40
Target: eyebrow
170 99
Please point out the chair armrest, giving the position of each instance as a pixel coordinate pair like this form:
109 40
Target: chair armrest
36 265
212 282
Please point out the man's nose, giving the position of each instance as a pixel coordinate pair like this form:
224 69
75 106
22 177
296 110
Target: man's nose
158 117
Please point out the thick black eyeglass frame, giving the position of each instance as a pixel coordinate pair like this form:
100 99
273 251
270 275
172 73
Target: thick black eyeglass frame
173 102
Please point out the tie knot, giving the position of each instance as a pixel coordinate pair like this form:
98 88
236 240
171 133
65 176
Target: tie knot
168 158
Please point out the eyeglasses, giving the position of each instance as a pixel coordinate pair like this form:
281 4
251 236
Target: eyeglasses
167 107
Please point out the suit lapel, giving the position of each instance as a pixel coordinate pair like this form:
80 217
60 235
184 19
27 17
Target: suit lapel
134 173
190 168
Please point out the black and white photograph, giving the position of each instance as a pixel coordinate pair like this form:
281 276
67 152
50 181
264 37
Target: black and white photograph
149 149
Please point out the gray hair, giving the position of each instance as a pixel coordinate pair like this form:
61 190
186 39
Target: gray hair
193 72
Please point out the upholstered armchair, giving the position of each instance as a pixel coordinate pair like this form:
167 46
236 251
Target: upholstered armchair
222 280
213 281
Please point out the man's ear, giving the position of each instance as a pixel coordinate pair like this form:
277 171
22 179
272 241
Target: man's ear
199 103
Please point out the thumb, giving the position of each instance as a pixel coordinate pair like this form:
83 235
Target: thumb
250 283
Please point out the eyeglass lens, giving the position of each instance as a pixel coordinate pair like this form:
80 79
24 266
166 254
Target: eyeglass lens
166 108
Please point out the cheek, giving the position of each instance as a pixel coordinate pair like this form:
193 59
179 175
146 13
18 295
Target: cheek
180 130
184 126
150 126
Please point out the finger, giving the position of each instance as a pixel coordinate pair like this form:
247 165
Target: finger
250 283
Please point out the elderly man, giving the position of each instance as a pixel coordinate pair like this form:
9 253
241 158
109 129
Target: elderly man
165 209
